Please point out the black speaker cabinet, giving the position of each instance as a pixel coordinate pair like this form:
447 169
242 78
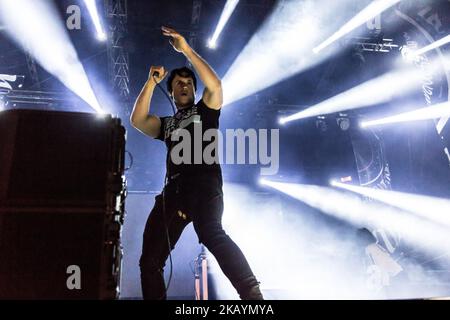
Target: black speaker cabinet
62 194
58 158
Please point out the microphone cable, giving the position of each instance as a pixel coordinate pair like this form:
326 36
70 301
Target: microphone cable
156 74
166 178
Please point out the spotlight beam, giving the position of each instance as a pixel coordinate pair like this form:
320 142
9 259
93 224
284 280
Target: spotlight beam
372 92
92 8
368 13
227 11
376 91
433 45
431 208
350 208
35 25
433 112
282 47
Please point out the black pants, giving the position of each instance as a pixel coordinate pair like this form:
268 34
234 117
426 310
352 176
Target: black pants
200 200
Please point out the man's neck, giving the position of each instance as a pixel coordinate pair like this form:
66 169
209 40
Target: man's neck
181 108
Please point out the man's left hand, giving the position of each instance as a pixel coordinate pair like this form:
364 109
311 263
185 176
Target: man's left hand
178 42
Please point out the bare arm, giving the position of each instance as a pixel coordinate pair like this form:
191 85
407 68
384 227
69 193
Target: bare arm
212 95
140 118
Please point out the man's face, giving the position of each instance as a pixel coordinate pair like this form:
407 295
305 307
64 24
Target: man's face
183 91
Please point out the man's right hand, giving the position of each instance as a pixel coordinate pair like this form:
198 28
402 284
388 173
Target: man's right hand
160 76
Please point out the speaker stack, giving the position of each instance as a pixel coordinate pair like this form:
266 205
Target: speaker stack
62 199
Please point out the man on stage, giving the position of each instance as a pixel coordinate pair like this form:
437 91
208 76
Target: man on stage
193 189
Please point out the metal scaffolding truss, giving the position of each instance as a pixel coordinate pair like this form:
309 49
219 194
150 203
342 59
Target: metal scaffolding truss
258 4
118 59
195 22
41 99
32 69
375 45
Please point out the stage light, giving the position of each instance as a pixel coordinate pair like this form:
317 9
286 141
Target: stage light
371 11
281 121
432 46
37 27
230 5
102 115
346 179
101 36
212 45
282 47
92 8
425 113
333 182
343 123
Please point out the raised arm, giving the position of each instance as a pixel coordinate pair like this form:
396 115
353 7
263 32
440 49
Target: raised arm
140 117
212 95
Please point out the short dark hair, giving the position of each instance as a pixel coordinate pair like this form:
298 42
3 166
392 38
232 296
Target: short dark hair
184 72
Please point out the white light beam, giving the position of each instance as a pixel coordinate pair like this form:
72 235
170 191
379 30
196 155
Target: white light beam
431 208
350 208
368 13
282 47
92 8
432 46
224 17
37 28
373 92
433 112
